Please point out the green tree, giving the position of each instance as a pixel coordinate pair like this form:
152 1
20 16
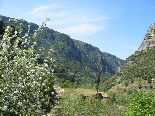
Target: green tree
98 83
2 27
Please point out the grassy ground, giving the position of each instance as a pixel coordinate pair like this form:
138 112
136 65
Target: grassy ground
80 102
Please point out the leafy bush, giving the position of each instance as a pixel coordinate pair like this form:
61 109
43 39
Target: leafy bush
113 96
68 84
150 86
26 87
126 83
140 104
118 98
107 85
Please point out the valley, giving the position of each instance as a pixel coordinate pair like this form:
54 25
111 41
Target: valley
82 102
61 75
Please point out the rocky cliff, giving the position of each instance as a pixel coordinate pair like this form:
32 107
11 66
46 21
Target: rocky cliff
149 38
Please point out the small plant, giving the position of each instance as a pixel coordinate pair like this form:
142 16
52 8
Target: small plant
126 84
150 86
149 79
132 80
140 86
82 96
113 96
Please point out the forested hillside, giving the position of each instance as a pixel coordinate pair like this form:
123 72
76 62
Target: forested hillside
74 59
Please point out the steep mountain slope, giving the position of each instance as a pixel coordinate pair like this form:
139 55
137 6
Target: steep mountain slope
74 56
149 38
139 68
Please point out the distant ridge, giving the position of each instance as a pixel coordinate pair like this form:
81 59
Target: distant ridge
76 57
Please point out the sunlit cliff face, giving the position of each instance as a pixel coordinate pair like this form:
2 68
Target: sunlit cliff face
149 38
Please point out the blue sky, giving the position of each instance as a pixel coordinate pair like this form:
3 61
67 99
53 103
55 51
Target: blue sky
114 26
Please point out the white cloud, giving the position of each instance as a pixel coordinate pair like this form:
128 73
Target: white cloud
41 9
64 18
132 47
82 29
69 21
85 18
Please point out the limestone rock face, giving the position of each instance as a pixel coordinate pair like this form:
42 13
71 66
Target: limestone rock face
150 34
149 38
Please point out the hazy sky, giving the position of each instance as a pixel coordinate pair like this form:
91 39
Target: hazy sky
114 26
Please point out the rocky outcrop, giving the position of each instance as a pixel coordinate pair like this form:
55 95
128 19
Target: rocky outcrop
150 34
149 38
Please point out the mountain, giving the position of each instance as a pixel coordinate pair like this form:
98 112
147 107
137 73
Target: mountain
138 71
73 57
149 38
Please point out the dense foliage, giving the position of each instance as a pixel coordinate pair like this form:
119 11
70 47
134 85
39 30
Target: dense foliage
141 64
76 57
140 104
26 87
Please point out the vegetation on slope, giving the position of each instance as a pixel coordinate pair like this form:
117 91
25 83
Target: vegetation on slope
74 59
138 69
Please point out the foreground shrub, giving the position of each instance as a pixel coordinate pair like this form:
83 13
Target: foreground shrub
140 104
26 87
